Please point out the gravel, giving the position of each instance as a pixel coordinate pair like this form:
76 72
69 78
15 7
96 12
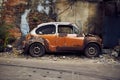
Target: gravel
106 58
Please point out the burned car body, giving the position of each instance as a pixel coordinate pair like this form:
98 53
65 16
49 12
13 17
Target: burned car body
60 37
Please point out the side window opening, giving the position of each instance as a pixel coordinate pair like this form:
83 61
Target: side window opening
68 29
47 29
76 31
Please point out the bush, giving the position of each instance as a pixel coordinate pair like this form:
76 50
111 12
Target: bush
4 33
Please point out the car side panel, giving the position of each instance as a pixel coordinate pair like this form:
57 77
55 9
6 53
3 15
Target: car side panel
72 40
60 41
50 41
68 42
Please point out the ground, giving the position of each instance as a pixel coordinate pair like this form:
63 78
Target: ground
58 67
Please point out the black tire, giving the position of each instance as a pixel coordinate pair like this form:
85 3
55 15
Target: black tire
92 50
36 50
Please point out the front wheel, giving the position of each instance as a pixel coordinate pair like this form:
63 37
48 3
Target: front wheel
92 50
36 50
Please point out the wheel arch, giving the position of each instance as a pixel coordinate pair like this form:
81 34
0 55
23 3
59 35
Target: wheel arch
43 44
41 41
93 43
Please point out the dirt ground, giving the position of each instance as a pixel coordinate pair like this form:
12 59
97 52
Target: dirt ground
105 58
15 65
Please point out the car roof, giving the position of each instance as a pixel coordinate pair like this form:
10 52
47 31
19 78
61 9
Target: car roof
61 23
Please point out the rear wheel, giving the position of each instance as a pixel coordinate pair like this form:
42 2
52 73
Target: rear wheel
36 50
92 50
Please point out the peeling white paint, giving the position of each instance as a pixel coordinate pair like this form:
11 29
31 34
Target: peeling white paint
24 23
40 8
44 8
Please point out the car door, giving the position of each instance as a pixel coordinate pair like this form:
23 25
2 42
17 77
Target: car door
72 39
75 39
60 39
48 32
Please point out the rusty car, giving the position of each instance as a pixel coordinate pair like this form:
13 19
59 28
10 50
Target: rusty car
61 37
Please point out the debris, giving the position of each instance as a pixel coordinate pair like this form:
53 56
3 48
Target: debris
64 57
117 49
100 56
107 58
55 58
8 48
114 54
106 51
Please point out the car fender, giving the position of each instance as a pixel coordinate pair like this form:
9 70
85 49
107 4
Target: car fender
93 39
36 40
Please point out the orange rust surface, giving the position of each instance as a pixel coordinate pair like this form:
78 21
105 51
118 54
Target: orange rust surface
51 41
72 40
54 40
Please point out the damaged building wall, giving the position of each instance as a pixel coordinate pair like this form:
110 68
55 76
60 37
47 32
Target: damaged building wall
87 15
95 19
40 12
1 8
14 9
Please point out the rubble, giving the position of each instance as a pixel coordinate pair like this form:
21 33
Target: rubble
106 58
8 48
11 52
55 58
114 53
64 57
117 49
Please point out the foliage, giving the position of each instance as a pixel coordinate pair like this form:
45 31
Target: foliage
35 19
4 33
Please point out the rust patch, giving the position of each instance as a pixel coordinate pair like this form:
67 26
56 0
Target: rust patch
93 39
